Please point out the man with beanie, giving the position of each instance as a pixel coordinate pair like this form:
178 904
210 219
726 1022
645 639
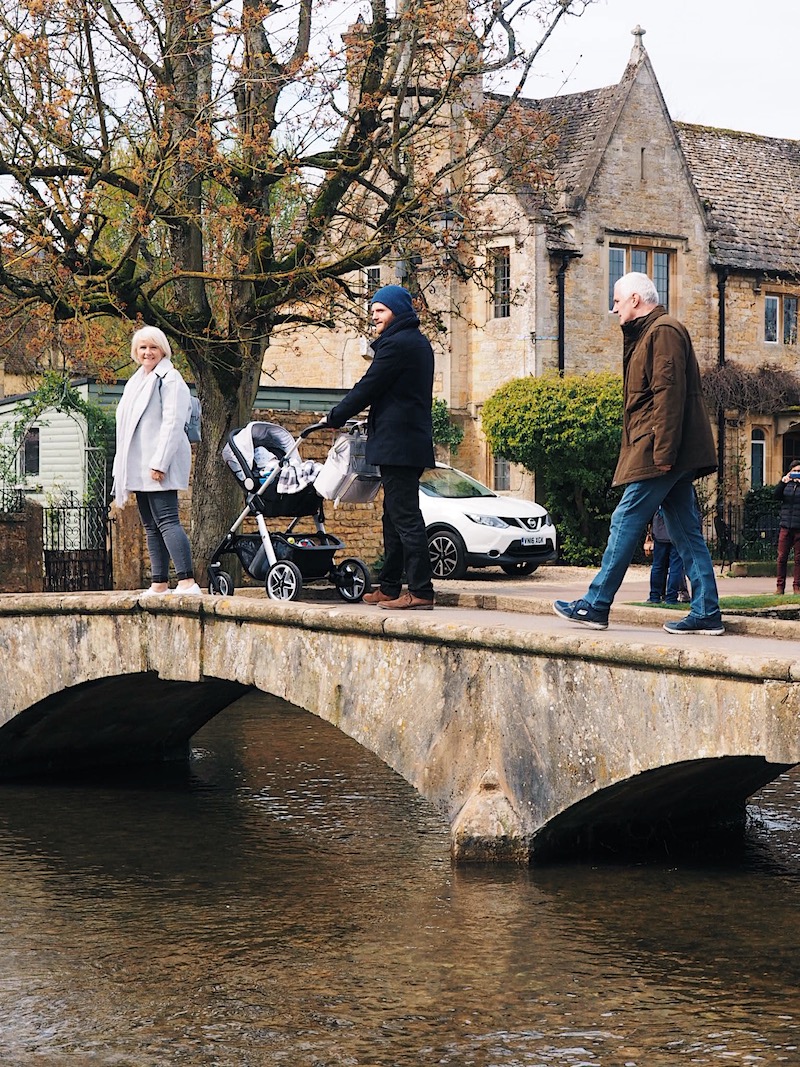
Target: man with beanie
398 389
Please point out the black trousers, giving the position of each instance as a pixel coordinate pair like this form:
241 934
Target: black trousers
405 543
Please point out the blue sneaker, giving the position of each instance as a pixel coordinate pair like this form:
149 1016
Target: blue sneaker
580 611
711 625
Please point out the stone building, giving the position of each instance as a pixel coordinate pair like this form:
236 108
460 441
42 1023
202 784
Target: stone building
712 215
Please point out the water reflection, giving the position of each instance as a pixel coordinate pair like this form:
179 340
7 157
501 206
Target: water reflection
290 901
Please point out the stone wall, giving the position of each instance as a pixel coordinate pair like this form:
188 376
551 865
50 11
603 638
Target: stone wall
21 554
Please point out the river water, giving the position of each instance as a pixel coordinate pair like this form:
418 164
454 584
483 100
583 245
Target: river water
288 900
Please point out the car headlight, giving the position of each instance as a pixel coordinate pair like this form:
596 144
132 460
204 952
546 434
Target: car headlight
547 521
488 520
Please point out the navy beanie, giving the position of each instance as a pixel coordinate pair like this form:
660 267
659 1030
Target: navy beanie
394 297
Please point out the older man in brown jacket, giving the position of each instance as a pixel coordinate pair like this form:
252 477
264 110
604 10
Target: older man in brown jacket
666 444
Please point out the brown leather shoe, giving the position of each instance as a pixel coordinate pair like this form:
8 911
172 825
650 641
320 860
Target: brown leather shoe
376 597
406 601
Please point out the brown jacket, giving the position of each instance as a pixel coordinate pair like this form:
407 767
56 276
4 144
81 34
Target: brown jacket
664 421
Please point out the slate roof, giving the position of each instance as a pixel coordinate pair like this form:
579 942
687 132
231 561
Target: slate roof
750 186
578 119
571 125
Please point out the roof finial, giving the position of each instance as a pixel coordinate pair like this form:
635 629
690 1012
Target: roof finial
638 45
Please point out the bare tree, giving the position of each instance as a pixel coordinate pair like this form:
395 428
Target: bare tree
220 167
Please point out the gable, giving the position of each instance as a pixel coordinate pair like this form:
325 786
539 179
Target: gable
596 133
641 183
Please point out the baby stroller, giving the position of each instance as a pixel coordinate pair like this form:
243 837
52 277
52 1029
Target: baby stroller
262 456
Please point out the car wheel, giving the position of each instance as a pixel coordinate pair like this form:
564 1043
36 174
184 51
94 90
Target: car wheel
448 554
519 570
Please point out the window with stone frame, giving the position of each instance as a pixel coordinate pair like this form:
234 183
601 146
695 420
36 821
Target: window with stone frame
780 319
758 455
500 262
656 263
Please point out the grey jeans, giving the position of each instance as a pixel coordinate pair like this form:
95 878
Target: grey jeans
166 538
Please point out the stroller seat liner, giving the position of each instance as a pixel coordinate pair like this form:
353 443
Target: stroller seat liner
263 445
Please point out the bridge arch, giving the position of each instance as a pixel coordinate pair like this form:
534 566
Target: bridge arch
524 741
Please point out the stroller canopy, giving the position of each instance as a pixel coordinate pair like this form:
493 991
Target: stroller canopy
255 435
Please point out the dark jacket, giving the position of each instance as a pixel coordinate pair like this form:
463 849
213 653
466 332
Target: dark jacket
789 495
398 389
665 422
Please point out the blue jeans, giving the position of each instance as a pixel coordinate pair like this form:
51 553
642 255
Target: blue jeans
666 573
674 493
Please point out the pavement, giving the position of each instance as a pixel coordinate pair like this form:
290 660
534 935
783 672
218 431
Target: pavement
490 597
527 604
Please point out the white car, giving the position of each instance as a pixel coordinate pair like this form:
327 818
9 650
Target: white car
470 526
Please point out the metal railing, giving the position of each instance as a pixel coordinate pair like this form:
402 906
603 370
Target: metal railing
748 537
77 548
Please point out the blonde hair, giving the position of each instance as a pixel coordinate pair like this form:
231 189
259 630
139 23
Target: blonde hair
150 333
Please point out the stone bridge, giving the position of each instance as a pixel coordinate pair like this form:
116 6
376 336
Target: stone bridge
528 742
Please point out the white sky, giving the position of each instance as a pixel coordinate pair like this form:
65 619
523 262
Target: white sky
727 63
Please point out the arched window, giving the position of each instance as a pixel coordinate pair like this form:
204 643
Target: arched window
757 455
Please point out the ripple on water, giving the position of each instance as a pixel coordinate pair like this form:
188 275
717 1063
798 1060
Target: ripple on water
291 901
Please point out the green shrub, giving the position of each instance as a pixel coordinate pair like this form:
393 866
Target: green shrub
566 430
445 431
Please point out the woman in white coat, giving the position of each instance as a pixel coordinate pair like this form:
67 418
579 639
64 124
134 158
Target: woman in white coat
154 458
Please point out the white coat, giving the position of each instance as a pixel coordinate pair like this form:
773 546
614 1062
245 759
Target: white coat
150 432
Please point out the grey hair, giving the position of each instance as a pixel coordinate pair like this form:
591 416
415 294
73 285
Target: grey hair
150 333
634 282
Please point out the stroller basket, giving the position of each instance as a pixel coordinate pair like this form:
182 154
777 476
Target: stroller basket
312 553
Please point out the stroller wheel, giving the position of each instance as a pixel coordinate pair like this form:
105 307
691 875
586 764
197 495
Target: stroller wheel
283 581
352 579
220 583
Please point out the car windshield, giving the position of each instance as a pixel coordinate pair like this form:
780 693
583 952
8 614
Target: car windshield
447 482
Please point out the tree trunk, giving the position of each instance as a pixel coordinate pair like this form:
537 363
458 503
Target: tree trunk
217 497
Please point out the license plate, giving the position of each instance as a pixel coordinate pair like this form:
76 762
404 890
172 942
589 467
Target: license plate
534 539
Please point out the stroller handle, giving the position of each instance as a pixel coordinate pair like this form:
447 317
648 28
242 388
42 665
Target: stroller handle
315 426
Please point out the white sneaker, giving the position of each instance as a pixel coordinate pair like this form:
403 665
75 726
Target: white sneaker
193 590
153 592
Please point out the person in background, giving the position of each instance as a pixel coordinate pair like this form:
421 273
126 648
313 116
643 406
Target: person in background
398 389
667 575
788 492
666 443
154 457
